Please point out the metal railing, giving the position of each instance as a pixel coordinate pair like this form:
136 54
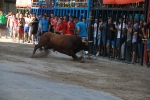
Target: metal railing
125 51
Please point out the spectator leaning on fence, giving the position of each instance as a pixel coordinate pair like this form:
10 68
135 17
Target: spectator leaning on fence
110 37
148 39
134 45
103 32
96 35
127 43
140 36
120 29
3 21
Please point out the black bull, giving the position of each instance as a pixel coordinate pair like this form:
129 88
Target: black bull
67 44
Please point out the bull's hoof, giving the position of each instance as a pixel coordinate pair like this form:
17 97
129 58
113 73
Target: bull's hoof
41 49
47 52
32 56
82 60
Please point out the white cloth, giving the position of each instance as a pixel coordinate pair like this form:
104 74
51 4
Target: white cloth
27 20
95 29
119 31
10 21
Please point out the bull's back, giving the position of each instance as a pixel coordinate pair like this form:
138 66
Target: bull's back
64 41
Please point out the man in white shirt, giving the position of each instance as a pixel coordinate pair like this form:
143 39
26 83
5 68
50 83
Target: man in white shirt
120 31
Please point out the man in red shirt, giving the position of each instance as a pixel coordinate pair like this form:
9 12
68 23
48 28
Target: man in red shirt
65 22
51 22
55 23
71 26
59 27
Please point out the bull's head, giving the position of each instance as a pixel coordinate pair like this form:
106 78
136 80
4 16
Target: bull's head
85 44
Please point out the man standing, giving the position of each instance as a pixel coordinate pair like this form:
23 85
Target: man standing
81 30
44 25
3 21
110 37
59 27
51 22
65 22
148 39
71 26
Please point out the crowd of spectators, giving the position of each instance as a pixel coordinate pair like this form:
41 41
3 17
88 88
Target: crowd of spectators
115 39
120 40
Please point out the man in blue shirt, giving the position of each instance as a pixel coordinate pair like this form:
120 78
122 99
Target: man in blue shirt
81 31
44 25
80 28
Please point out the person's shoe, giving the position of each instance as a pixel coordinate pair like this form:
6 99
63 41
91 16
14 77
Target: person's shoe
97 54
121 58
132 62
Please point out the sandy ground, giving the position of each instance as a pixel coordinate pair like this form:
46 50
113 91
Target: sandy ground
125 81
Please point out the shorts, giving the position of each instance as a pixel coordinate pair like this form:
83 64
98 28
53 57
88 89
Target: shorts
134 46
26 29
84 38
148 44
14 31
112 43
98 40
20 30
33 30
10 29
3 26
118 43
94 40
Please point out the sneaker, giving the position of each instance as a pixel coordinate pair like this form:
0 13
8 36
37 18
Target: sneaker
97 54
121 58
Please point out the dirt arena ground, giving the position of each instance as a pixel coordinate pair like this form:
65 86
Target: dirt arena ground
126 81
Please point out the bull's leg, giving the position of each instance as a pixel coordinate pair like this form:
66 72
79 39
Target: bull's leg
74 57
41 49
36 47
46 47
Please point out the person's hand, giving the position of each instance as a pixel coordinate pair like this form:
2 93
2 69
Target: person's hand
116 26
127 26
145 36
111 28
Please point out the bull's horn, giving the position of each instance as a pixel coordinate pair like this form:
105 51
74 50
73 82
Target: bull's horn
84 41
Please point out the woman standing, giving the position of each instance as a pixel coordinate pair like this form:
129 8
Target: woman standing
14 27
21 23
